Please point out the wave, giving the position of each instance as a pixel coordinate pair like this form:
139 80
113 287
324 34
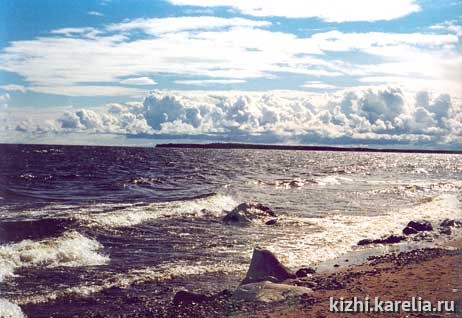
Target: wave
71 249
335 235
18 230
418 188
136 276
332 180
10 310
298 183
212 205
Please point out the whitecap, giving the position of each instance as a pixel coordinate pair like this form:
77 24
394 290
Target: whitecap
340 233
162 272
71 249
331 180
10 310
211 205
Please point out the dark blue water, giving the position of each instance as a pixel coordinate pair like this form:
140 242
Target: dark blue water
74 174
84 230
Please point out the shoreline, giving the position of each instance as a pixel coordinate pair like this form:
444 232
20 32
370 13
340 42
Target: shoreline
245 146
434 274
431 272
302 148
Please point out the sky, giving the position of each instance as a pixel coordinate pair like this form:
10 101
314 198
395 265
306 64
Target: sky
360 72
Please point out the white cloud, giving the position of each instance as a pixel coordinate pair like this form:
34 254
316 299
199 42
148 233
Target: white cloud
176 24
14 88
318 85
207 82
95 13
372 115
232 49
453 26
138 81
88 90
73 31
329 10
4 97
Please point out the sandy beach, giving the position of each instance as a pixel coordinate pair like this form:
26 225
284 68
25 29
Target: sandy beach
433 274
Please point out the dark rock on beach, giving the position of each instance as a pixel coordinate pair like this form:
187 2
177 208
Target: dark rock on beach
304 272
185 297
188 304
246 213
392 239
264 266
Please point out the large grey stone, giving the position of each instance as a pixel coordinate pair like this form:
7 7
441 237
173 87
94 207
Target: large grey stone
265 266
269 292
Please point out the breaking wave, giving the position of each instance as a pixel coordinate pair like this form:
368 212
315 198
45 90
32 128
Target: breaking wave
136 276
10 310
338 234
210 205
71 249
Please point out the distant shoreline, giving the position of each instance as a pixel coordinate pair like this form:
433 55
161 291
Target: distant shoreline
301 148
248 146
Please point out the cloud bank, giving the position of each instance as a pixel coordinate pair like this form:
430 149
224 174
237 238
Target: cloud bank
369 116
208 50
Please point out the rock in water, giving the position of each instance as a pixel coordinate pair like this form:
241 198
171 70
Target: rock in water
271 222
268 292
445 230
417 226
409 230
265 266
451 223
391 239
446 226
246 213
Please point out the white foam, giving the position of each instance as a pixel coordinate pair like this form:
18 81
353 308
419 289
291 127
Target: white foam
10 310
417 189
339 234
290 184
135 276
212 205
70 249
332 180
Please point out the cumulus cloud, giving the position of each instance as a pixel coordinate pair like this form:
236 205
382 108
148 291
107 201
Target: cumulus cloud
378 115
329 10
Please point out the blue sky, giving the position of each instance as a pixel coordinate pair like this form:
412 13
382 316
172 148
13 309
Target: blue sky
80 58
